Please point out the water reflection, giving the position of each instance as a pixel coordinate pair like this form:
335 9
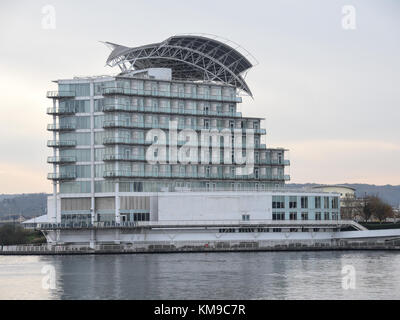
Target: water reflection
257 275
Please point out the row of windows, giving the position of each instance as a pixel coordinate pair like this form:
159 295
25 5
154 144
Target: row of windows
278 202
248 230
167 105
83 89
164 86
305 216
157 186
80 89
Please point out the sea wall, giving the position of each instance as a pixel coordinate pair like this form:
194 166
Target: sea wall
200 246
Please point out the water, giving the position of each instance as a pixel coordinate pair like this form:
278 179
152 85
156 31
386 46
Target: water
245 275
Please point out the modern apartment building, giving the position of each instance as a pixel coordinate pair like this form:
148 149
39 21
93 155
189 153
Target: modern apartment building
168 121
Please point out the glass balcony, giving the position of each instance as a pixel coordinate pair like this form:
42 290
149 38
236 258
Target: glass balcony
61 143
120 140
61 127
60 111
274 162
60 94
168 110
196 175
167 94
61 159
123 157
144 125
61 176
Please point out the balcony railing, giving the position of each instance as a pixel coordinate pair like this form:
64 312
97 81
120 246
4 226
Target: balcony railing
167 94
169 110
61 176
144 125
61 143
61 127
60 94
122 140
60 111
210 176
61 159
131 141
123 157
273 162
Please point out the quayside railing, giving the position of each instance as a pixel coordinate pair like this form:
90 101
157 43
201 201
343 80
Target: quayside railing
205 223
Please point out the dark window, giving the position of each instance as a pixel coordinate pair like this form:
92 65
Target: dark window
317 202
292 202
278 216
278 202
304 202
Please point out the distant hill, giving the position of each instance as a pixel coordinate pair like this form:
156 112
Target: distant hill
27 205
388 193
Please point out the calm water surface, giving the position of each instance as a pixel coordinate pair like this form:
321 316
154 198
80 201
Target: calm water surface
258 275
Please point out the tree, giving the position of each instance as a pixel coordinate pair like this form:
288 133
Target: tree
367 210
351 208
377 208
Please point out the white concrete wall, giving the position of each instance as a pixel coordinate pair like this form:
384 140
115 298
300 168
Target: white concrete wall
51 215
213 206
154 208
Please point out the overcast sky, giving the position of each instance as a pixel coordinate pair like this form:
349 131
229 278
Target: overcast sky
329 94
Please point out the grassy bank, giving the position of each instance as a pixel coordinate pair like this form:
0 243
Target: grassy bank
14 234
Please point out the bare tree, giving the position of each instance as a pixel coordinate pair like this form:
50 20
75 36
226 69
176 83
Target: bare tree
377 208
351 208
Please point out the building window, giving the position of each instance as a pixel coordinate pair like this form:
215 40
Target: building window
292 202
293 216
278 202
141 216
326 202
326 215
317 202
304 202
278 216
318 216
335 202
304 216
245 217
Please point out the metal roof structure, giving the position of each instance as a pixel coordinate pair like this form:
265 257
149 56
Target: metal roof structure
190 57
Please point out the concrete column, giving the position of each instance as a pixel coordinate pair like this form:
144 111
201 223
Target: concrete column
92 154
117 203
55 165
117 236
92 243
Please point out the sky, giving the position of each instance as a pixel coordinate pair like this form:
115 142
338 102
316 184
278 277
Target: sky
329 94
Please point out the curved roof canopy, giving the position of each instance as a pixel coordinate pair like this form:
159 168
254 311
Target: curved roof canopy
191 57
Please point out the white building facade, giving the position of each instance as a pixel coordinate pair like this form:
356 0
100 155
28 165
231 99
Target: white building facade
183 115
